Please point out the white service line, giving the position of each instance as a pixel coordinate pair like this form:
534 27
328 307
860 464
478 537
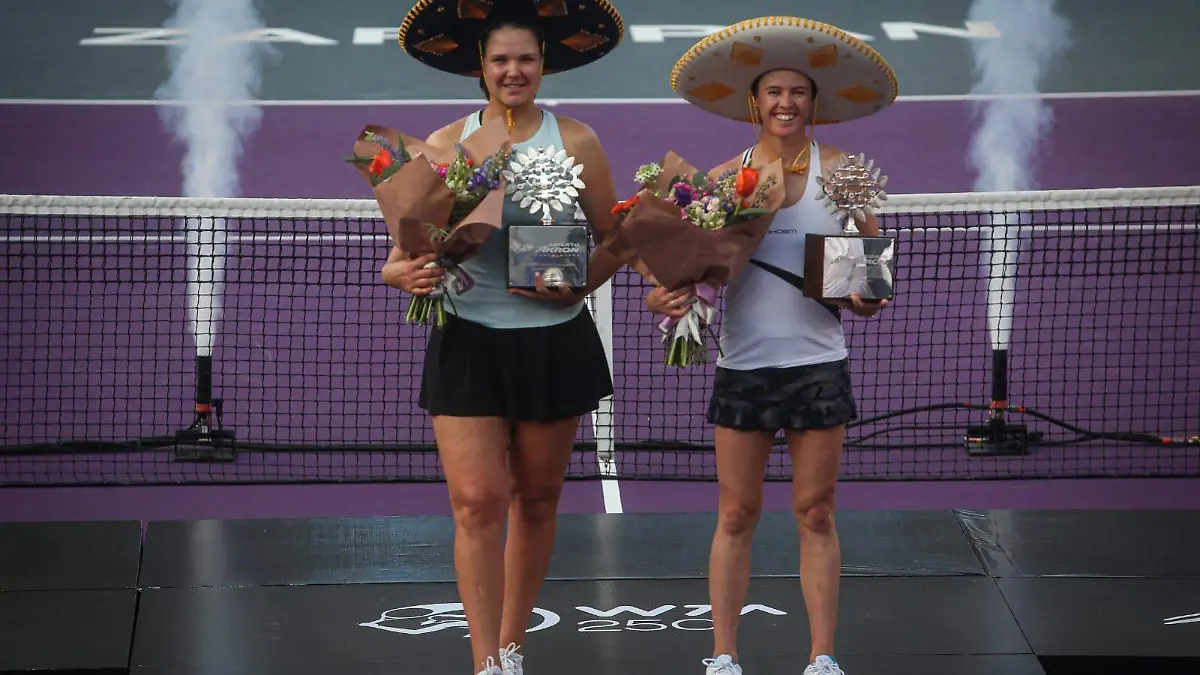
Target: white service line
612 496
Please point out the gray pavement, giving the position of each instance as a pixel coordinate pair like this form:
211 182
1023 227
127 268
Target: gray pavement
346 50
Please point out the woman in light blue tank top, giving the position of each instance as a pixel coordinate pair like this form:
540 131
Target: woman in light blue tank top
790 72
508 377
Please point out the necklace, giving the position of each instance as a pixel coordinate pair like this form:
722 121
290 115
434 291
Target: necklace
795 167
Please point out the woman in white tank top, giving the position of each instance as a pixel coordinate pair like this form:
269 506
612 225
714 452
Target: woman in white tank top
507 379
784 364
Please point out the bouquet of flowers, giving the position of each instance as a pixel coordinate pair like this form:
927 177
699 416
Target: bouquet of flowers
691 229
447 203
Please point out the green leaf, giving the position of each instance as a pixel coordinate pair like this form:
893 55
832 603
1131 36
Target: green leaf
358 159
754 212
391 169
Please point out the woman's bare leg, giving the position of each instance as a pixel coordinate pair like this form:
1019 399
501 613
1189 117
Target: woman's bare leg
473 452
538 464
741 462
816 459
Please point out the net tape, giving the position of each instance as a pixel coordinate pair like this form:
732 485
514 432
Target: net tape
1102 365
343 209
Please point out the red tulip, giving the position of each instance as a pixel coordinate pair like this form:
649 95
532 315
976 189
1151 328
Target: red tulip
746 181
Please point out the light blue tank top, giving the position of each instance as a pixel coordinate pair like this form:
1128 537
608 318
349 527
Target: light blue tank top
489 302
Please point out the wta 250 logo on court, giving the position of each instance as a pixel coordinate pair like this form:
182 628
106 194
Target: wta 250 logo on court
443 616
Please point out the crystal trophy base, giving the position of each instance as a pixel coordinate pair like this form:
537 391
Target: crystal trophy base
558 252
837 265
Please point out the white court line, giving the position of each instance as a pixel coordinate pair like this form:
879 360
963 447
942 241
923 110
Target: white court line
599 101
612 495
1185 618
600 304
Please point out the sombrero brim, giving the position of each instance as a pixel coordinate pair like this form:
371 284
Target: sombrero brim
446 34
852 79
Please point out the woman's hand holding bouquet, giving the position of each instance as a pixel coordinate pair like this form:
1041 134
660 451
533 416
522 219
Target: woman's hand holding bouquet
694 231
436 201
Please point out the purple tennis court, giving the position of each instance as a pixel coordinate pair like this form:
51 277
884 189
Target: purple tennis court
311 352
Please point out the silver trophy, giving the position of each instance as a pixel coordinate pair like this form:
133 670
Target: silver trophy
545 180
837 265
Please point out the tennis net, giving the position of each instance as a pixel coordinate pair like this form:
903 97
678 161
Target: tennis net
1040 334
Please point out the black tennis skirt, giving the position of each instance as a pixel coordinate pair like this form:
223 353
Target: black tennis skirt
521 374
814 396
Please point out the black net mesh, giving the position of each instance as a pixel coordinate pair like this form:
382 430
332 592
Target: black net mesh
117 309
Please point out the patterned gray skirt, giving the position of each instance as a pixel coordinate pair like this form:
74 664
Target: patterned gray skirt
815 396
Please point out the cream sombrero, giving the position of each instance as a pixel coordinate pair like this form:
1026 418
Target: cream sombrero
852 79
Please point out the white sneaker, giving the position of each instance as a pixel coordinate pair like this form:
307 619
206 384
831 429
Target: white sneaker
510 660
823 665
722 665
490 668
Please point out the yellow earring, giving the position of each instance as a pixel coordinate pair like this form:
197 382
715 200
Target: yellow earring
755 117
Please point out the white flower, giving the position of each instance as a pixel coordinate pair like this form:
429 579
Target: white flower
647 174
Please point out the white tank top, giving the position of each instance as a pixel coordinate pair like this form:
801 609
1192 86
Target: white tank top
767 322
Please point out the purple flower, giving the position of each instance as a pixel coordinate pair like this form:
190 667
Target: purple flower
478 180
684 194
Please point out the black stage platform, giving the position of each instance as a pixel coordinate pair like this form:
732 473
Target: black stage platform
924 592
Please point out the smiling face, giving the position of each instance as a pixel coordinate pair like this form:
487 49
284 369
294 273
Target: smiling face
785 101
512 65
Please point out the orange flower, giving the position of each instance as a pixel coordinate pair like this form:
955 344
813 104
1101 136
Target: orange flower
745 182
381 161
626 205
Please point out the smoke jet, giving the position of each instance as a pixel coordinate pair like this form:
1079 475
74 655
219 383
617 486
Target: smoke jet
1011 125
215 76
215 72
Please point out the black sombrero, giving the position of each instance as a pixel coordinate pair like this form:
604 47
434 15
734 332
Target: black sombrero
445 34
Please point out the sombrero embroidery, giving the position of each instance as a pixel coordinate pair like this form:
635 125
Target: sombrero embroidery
852 79
445 34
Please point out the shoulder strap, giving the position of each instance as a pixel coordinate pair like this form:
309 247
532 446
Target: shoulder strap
798 282
747 155
470 124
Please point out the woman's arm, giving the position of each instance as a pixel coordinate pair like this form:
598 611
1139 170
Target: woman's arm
596 200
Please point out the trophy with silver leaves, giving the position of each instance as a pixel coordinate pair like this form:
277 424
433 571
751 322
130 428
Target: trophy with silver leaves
836 265
546 180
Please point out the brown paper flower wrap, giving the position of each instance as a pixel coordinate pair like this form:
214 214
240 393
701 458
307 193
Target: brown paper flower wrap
444 201
690 229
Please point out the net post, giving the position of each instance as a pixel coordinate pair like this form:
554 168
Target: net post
998 437
206 440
